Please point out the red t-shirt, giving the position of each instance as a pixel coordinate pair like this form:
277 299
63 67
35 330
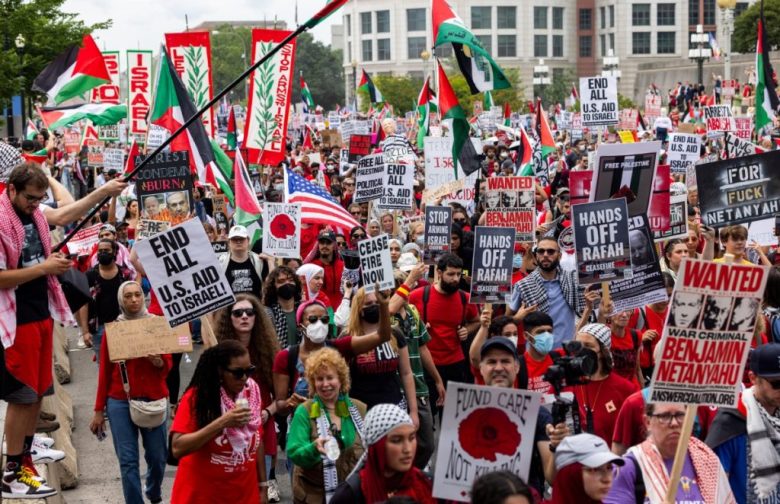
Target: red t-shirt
604 398
654 321
210 474
445 314
145 379
624 355
536 370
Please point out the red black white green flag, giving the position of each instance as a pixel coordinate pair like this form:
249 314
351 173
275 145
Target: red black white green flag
463 151
367 85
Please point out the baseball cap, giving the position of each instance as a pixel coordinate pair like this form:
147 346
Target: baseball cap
326 235
500 343
108 227
407 262
765 361
238 232
587 449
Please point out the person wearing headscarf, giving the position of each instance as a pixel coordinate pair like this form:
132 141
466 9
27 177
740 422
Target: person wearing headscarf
584 468
386 469
313 277
146 378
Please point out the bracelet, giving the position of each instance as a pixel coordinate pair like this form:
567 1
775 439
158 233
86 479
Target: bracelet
262 484
401 291
269 412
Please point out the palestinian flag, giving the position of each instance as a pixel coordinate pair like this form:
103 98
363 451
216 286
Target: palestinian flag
479 69
101 114
546 141
172 106
306 98
766 94
463 151
507 114
74 72
525 155
220 172
38 156
32 130
487 101
426 105
366 84
331 7
574 95
308 142
232 138
131 155
248 211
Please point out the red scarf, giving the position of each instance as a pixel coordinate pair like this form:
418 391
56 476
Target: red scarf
373 484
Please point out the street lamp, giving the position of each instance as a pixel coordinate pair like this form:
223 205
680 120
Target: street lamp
541 76
727 7
19 42
700 54
425 55
354 82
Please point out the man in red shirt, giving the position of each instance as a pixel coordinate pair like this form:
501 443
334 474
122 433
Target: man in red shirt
449 318
538 333
331 262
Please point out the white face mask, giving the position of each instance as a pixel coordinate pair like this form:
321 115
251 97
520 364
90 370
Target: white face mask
317 332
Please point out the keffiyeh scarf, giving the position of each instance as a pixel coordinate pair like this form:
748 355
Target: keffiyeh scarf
241 438
329 473
764 436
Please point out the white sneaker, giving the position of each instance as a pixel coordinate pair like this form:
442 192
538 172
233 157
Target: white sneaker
273 491
43 441
43 455
22 484
80 344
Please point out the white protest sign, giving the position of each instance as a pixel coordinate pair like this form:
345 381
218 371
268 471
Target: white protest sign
398 185
185 274
148 228
438 170
114 159
744 127
598 101
369 178
484 429
762 232
282 229
376 267
82 242
719 118
737 147
683 151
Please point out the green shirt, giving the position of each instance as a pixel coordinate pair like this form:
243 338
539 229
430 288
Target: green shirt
300 439
416 336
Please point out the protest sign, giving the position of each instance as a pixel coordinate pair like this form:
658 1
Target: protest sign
628 120
359 146
334 119
397 149
719 118
344 164
147 228
438 229
368 178
737 147
626 136
683 151
398 184
439 172
350 128
762 232
658 211
190 54
707 333
220 247
72 141
576 126
579 186
131 339
139 89
331 138
164 187
484 429
82 242
601 240
491 278
510 202
282 229
652 108
185 275
376 267
678 219
95 153
744 127
626 171
108 132
598 101
108 93
114 159
646 285
739 190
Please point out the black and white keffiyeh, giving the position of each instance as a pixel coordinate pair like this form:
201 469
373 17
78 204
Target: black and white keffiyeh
763 432
10 158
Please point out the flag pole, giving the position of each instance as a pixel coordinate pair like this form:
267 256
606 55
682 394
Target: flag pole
311 23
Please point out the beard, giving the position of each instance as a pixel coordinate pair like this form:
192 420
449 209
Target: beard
552 267
449 288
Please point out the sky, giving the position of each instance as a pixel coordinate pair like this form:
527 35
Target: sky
140 24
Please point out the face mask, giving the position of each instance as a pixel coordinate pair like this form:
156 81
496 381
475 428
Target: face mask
517 261
317 332
543 342
513 339
449 288
105 258
420 240
278 187
504 155
582 148
370 314
286 291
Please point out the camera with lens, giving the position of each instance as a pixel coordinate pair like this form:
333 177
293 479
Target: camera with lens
567 370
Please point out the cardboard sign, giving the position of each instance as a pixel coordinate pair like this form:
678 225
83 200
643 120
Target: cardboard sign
510 202
491 279
658 212
719 118
369 178
438 170
740 190
678 219
359 146
185 275
438 230
164 187
707 333
626 171
484 429
376 267
646 285
282 229
131 339
598 101
683 152
601 240
95 153
398 183
114 159
331 138
148 228
82 242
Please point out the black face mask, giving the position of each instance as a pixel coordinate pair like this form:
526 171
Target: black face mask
286 291
370 314
105 258
449 288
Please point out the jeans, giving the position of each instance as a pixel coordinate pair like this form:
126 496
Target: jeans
124 433
424 433
97 341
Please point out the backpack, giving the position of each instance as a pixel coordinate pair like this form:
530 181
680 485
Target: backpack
427 296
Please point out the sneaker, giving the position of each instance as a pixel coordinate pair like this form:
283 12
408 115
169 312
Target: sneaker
22 484
42 455
273 491
46 426
29 466
43 441
47 416
80 343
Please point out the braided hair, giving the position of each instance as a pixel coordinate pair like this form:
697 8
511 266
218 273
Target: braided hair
207 380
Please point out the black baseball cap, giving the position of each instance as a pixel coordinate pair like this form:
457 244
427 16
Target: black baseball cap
326 235
765 361
500 343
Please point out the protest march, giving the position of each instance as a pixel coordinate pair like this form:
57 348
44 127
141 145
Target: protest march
475 297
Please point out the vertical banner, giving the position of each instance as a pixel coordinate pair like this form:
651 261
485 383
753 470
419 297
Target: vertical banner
511 203
483 429
190 53
601 241
598 101
282 229
491 278
270 92
164 187
376 267
139 91
438 229
707 333
626 171
108 93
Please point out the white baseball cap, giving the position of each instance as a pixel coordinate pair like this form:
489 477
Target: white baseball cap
238 232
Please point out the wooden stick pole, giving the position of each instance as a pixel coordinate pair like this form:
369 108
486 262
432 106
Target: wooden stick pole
679 456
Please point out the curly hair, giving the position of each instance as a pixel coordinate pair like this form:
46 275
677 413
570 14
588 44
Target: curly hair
269 287
327 357
206 379
263 343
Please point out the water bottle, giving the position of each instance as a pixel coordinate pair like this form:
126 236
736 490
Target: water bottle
332 450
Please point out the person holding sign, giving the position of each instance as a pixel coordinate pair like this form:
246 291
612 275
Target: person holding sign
146 378
584 470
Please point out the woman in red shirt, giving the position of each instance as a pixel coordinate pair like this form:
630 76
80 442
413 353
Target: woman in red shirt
146 379
649 321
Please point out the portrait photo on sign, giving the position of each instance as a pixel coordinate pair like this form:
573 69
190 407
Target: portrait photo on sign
641 248
686 310
151 206
743 317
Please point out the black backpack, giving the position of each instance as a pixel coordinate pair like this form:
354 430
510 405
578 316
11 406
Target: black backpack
427 296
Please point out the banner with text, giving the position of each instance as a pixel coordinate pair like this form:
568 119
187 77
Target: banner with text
683 152
510 202
491 278
369 177
190 53
626 171
601 241
438 229
108 93
439 172
398 184
164 187
139 91
376 267
598 101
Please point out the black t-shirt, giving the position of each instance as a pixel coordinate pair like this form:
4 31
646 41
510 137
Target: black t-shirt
105 305
536 473
32 298
375 375
243 277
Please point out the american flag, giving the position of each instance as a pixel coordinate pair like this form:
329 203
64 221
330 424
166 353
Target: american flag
318 206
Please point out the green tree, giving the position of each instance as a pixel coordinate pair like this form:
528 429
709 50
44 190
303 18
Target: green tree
745 32
322 70
559 88
47 31
231 54
400 92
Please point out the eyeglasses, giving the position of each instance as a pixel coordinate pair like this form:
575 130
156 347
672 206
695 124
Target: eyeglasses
241 372
240 312
668 417
341 243
33 199
549 251
314 318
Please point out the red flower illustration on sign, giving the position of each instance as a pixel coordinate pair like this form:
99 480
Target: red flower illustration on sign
486 432
282 227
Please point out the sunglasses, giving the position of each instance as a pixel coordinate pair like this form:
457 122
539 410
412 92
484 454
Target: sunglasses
358 236
240 312
774 384
549 251
341 243
241 372
314 318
